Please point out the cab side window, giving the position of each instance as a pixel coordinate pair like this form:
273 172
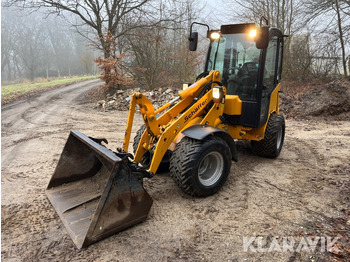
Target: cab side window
271 75
279 66
270 66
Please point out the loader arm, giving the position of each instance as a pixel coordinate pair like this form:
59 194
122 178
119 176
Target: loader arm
161 131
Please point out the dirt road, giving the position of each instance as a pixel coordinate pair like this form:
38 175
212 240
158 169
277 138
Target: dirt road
303 194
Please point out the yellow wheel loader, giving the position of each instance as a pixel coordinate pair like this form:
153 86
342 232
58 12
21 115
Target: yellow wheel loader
98 192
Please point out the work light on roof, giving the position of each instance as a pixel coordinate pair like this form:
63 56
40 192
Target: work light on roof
215 35
252 33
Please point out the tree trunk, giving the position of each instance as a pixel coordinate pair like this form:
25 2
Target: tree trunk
341 37
31 75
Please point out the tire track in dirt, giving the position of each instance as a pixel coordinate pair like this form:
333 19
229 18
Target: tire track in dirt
25 116
36 107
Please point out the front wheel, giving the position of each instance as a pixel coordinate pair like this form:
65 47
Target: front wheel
200 168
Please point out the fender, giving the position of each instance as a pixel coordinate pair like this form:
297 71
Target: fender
200 132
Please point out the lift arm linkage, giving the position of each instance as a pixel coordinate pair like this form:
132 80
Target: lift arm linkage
163 129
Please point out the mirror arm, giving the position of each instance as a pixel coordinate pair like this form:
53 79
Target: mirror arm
198 24
194 36
263 18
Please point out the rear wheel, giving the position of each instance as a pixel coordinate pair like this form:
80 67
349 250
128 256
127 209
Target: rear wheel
272 143
200 168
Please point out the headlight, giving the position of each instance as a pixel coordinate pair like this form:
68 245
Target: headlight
218 94
253 33
185 85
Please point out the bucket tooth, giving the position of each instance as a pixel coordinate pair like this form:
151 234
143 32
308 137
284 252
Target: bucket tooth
95 192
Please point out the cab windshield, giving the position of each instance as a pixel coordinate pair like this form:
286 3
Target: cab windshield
237 59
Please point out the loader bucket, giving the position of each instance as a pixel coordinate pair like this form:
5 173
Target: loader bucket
95 192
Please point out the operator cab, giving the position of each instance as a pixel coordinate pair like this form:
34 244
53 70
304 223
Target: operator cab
236 57
249 58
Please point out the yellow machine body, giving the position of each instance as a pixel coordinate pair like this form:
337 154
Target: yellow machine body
164 131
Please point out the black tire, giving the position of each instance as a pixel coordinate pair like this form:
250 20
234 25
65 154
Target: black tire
272 143
137 137
211 157
146 159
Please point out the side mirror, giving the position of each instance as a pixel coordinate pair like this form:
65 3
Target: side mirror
262 40
193 41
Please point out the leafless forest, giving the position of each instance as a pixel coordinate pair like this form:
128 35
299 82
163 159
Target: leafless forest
148 39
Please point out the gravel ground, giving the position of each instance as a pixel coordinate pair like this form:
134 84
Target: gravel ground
303 194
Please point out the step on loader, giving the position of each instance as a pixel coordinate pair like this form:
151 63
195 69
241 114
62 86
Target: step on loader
98 192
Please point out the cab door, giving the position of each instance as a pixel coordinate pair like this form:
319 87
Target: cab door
272 71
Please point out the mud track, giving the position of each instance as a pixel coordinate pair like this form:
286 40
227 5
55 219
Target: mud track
297 194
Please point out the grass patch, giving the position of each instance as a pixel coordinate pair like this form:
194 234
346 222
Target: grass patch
10 93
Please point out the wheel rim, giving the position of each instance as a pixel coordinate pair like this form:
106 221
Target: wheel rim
279 137
211 168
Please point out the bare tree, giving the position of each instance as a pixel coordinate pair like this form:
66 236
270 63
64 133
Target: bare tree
29 45
280 13
161 55
86 59
337 14
6 49
325 58
34 45
11 64
99 17
299 68
95 19
148 49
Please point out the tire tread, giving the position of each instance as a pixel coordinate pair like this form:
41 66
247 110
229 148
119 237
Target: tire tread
185 157
267 147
